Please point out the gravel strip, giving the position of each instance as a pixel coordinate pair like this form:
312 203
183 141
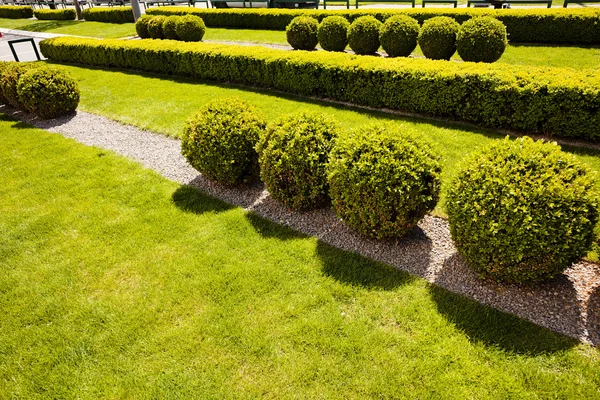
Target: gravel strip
569 304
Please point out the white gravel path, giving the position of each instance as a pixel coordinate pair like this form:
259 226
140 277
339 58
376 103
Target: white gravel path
569 304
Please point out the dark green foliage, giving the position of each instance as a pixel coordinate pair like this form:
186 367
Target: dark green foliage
57 15
437 38
293 154
155 30
363 35
48 92
141 26
481 39
16 12
10 78
219 142
522 211
116 15
3 66
398 35
333 33
169 27
301 33
190 28
383 180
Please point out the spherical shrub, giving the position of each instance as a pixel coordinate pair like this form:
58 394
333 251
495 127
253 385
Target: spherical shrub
522 211
437 38
398 35
190 28
3 66
219 141
333 33
383 180
293 154
48 92
363 35
169 27
155 29
301 33
481 39
10 78
141 26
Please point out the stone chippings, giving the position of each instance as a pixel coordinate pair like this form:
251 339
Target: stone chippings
569 304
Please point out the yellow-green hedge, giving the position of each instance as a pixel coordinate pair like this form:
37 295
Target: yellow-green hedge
15 12
559 101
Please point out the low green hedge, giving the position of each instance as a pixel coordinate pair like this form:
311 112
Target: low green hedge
524 26
113 14
57 15
559 101
15 12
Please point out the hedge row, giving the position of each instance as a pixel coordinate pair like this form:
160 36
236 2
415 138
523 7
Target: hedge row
113 14
15 12
524 26
56 15
558 101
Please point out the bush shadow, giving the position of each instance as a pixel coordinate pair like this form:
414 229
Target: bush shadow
44 26
593 319
191 200
269 229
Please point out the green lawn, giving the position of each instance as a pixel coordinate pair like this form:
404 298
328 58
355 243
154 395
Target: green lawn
117 283
95 29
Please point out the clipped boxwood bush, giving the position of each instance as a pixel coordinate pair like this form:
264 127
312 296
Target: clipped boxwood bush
219 141
169 27
333 33
155 30
3 66
398 35
481 39
383 180
437 38
301 33
117 15
10 78
141 26
363 35
293 154
522 211
16 12
48 92
190 28
58 15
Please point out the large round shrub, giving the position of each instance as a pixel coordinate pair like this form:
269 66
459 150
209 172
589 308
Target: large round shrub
437 38
141 26
521 211
169 27
398 35
301 33
48 92
219 141
363 35
155 29
383 180
293 154
190 28
481 39
333 33
10 78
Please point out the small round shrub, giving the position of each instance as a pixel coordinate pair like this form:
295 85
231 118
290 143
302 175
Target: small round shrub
363 35
333 33
521 210
10 78
190 28
141 26
3 66
219 141
301 33
293 154
383 180
398 35
437 38
155 29
169 27
48 92
481 39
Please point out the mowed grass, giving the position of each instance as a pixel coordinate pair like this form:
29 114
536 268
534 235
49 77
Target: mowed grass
78 28
117 283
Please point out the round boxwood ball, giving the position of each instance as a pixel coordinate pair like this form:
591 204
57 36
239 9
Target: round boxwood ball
522 211
398 35
10 79
141 26
363 35
383 180
155 29
481 39
219 142
293 154
169 27
333 33
301 33
48 92
437 38
190 28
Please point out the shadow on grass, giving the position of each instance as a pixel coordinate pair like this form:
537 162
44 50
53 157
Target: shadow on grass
44 26
270 229
190 199
593 320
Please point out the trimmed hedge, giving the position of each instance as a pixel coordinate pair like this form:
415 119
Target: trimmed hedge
301 33
333 33
190 28
48 92
56 15
564 102
155 27
10 78
437 38
363 35
566 26
116 15
398 35
16 12
481 39
141 26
